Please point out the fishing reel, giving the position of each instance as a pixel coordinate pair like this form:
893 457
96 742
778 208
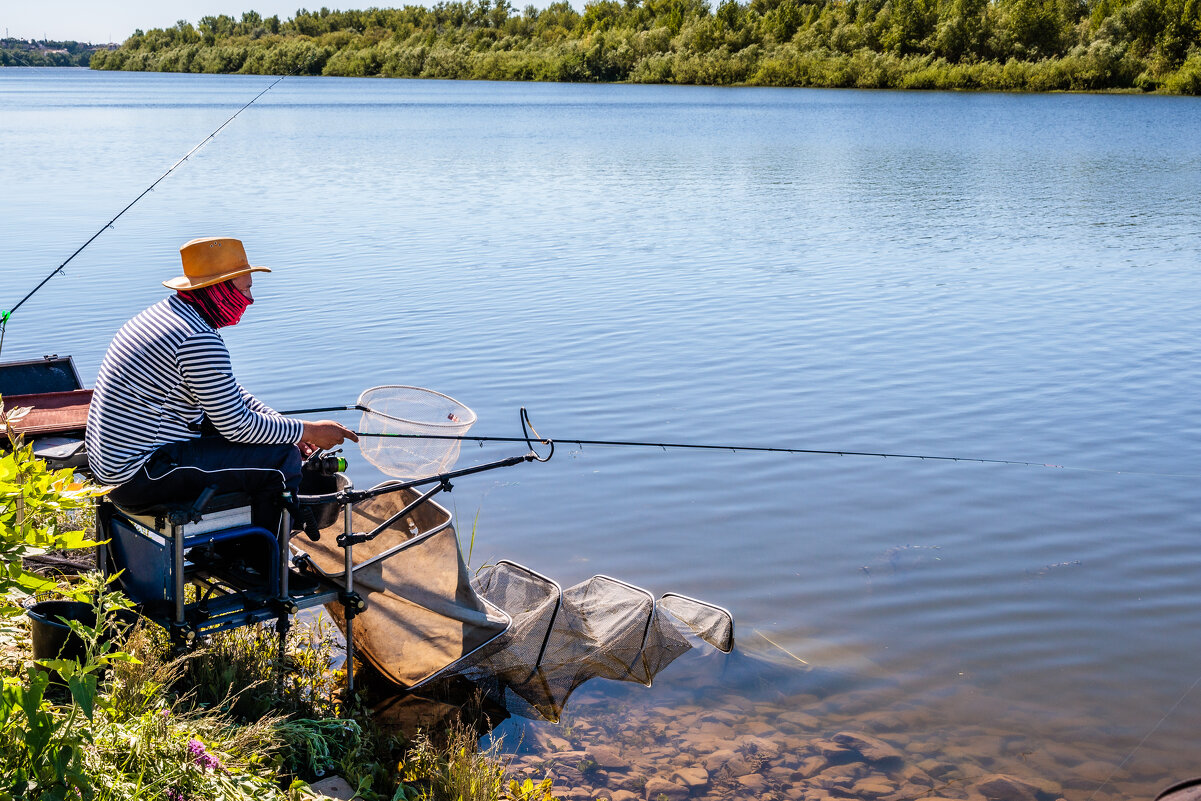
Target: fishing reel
318 476
325 464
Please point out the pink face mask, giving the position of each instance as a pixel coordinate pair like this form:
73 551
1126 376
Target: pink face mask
220 304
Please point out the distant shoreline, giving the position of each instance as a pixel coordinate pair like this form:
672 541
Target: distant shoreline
983 45
964 89
47 53
861 70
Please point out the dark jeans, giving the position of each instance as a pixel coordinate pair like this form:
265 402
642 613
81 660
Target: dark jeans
179 472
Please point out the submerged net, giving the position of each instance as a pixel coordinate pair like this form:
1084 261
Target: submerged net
711 623
560 639
404 415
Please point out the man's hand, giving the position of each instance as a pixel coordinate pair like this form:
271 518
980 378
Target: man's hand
325 434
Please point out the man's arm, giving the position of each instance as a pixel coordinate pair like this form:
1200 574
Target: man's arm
204 364
254 404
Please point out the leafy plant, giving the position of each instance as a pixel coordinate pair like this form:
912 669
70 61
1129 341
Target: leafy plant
34 502
43 758
46 744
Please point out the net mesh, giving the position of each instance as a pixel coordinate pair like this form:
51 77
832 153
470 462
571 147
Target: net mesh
711 623
599 628
532 601
401 412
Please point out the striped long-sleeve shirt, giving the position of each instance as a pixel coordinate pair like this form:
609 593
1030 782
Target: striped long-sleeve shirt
165 371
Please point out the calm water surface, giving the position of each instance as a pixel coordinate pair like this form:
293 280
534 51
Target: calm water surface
976 275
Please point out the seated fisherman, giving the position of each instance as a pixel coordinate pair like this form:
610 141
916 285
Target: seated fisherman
168 419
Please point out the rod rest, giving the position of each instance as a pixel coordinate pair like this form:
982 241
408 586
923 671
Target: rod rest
357 496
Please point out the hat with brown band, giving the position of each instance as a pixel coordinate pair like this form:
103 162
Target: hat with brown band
212 260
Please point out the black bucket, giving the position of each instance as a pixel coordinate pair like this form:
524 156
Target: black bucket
314 483
53 639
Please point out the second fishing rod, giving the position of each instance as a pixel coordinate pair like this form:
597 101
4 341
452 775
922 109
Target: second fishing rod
6 314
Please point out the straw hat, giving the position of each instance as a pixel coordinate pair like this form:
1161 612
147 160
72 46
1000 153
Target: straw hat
212 260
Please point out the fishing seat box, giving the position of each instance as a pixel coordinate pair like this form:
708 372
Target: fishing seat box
142 544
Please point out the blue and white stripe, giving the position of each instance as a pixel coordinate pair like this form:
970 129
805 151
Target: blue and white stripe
165 371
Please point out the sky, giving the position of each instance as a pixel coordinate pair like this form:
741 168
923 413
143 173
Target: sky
96 22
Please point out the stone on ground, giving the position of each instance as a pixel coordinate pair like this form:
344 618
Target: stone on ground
333 787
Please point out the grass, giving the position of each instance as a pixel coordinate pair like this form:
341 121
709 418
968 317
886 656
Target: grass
230 721
452 768
215 725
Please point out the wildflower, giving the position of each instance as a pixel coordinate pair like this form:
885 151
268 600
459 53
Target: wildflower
201 757
173 794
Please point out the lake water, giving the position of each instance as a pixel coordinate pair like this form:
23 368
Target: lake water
976 275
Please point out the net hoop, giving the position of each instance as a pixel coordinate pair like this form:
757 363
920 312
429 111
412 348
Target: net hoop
412 414
467 420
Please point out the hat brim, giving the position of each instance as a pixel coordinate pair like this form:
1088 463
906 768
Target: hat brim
185 283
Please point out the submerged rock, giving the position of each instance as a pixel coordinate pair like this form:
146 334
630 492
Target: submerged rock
1001 787
753 782
717 760
873 750
757 746
873 787
812 766
607 757
658 788
691 777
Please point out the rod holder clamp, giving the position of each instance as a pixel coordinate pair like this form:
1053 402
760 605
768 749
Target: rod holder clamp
286 607
353 603
347 540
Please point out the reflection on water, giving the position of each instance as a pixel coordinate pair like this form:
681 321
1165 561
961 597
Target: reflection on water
959 274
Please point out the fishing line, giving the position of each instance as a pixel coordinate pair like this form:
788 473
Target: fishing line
1146 737
5 315
732 448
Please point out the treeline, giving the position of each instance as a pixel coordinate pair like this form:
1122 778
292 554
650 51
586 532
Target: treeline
1038 45
22 53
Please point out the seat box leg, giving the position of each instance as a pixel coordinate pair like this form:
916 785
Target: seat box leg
177 577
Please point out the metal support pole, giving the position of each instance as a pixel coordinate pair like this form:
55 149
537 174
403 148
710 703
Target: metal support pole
283 534
282 626
177 581
102 535
348 583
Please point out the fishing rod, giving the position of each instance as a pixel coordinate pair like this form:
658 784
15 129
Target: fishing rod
5 315
712 447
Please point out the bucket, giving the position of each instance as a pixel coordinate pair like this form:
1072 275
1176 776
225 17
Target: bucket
324 514
53 639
